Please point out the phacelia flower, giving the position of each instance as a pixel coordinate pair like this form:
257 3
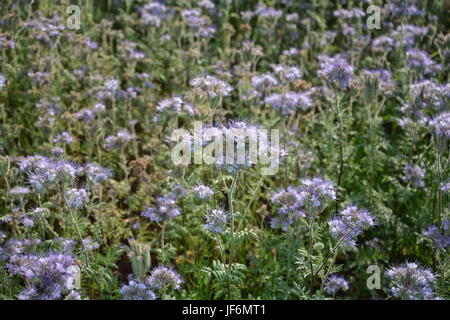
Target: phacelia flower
350 223
335 283
317 192
175 105
289 202
136 290
290 101
287 73
264 81
203 192
49 276
441 124
119 140
96 174
166 208
216 221
19 191
76 197
439 236
211 86
415 175
2 81
336 70
44 172
421 61
445 187
411 282
64 137
163 278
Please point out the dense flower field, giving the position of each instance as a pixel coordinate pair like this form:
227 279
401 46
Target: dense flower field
108 110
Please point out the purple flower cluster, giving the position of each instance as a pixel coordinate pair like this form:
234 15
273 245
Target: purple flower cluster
166 208
136 290
439 236
289 102
421 61
445 187
216 221
407 35
88 114
317 193
153 13
289 202
428 93
381 78
349 224
415 175
19 191
163 279
203 192
76 197
335 283
211 86
336 70
175 105
118 140
64 137
49 276
264 11
45 172
96 174
411 282
441 124
264 81
287 73
404 8
2 81
349 14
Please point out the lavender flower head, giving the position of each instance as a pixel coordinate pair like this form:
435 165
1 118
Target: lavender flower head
317 192
49 277
216 221
163 278
287 73
289 202
411 282
445 187
441 124
415 175
136 290
64 137
335 283
421 61
44 172
96 174
112 84
175 105
404 8
166 208
90 245
178 192
336 70
349 224
119 140
439 236
19 191
289 101
2 81
264 81
76 197
203 192
211 86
